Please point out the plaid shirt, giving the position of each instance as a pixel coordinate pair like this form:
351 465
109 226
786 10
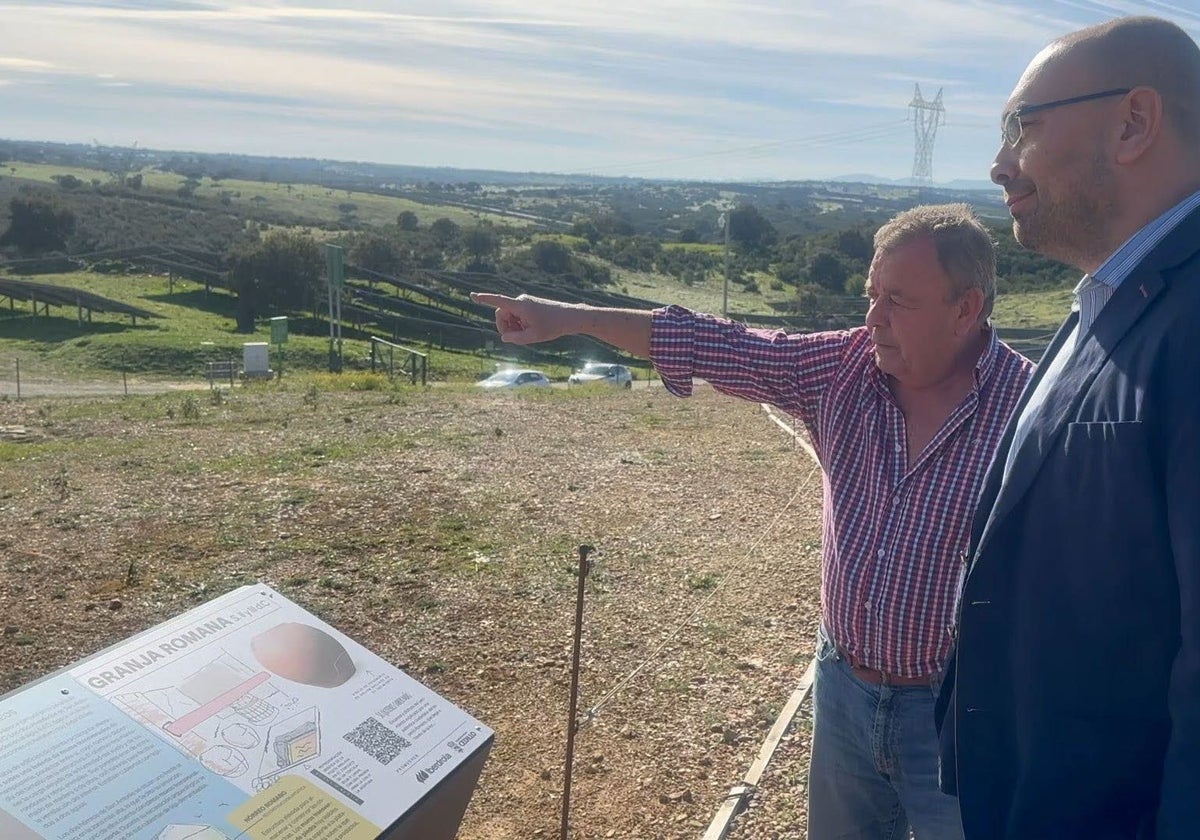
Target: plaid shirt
894 538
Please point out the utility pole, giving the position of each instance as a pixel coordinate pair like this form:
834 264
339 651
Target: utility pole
724 220
927 116
337 278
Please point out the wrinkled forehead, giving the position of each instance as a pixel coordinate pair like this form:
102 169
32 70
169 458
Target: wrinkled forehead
1057 72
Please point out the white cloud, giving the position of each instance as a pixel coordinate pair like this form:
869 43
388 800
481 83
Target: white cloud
499 83
23 64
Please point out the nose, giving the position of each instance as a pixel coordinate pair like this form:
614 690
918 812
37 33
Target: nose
1004 167
875 316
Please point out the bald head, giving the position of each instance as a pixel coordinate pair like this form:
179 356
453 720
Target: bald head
1141 52
1102 135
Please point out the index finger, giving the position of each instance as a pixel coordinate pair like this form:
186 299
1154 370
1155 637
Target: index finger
489 299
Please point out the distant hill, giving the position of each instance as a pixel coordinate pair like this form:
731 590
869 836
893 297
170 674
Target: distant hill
956 184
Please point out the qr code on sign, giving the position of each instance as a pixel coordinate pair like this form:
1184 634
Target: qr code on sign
378 741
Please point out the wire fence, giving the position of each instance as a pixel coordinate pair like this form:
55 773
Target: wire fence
25 378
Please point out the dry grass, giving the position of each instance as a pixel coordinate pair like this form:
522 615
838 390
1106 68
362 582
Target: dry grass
439 529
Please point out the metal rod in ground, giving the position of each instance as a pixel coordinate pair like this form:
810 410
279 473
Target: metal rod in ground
584 551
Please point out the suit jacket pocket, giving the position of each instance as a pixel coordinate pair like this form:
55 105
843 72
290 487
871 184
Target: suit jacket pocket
1108 458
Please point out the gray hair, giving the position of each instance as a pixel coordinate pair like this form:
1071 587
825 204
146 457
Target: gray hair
965 248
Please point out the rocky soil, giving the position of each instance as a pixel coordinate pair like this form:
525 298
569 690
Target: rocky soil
439 528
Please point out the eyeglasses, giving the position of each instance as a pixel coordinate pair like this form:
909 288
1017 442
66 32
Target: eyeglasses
1010 124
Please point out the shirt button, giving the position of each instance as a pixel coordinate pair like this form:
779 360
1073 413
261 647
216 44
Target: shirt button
880 553
895 501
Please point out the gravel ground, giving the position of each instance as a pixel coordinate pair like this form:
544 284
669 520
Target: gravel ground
439 527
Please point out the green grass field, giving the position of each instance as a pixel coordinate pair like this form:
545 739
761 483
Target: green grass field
1033 310
302 200
196 327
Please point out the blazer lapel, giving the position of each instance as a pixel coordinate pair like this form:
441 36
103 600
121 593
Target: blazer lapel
1062 402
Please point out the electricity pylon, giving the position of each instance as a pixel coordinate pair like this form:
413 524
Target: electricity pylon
927 116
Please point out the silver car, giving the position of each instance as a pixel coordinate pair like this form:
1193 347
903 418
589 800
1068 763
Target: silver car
593 373
515 378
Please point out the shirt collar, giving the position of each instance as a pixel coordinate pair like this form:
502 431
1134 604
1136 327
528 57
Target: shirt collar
984 365
1122 261
987 359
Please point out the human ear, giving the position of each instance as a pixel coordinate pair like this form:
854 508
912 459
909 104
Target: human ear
970 307
1141 122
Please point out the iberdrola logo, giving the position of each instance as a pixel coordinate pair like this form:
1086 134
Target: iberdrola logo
425 772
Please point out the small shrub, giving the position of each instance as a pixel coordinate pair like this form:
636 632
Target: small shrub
60 485
190 408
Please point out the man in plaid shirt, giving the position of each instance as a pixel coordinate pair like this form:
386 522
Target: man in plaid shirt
905 414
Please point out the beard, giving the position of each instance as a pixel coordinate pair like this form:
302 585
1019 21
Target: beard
1074 229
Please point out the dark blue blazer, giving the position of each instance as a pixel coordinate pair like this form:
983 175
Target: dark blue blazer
1071 707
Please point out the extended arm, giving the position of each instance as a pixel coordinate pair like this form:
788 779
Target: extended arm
531 320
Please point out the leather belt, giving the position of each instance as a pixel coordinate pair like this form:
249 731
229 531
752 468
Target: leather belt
874 677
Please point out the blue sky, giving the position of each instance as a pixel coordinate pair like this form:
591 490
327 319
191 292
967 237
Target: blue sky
697 89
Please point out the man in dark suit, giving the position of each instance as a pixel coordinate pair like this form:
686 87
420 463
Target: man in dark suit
1072 708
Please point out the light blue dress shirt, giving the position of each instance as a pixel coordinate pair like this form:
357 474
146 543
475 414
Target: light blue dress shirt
1091 294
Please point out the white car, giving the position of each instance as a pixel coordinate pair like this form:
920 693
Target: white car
515 378
618 376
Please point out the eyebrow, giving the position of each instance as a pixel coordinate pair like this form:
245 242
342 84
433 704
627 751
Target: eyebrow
892 293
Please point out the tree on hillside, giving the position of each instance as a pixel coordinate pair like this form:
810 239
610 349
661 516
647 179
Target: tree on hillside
856 245
444 232
550 262
282 270
826 269
67 182
376 253
39 223
586 229
551 257
613 224
637 253
482 245
407 220
749 229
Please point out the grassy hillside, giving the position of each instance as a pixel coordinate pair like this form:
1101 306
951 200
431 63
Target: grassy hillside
1033 310
196 327
302 201
424 309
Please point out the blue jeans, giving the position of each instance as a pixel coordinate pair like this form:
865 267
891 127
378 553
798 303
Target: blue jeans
873 773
